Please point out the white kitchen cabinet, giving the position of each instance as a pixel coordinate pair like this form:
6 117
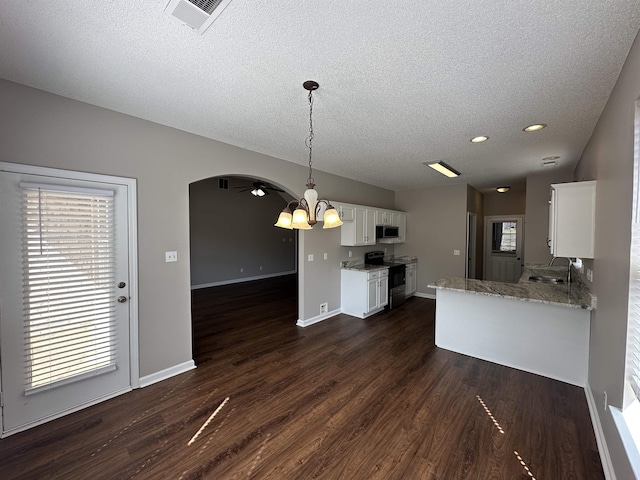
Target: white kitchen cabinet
396 219
363 292
383 217
572 219
411 279
361 230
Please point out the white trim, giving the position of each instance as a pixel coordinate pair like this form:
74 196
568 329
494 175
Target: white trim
68 411
166 373
241 280
318 318
605 458
432 296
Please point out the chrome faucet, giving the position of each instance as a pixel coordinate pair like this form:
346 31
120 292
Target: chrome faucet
568 269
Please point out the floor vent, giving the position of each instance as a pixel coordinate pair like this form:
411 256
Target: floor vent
197 14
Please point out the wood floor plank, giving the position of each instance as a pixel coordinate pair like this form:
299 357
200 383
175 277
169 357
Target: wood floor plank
342 399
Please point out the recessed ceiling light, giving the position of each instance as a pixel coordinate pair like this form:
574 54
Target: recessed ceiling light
443 168
479 139
502 189
535 127
554 157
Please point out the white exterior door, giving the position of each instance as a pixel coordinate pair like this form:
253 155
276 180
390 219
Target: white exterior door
65 321
503 248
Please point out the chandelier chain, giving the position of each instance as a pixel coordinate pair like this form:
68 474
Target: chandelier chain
309 141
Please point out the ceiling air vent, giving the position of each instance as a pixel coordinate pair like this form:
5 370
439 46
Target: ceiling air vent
197 14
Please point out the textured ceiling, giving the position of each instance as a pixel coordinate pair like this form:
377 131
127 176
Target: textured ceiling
401 83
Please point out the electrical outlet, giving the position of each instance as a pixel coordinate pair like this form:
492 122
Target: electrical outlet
326 256
260 267
456 252
310 257
324 307
605 400
241 269
170 257
589 274
350 254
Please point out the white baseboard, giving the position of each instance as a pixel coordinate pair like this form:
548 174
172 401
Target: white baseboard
432 296
605 458
166 373
318 318
242 280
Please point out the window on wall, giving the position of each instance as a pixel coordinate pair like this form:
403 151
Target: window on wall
628 420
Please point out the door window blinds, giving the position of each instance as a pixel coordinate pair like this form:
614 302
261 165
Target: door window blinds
69 284
633 328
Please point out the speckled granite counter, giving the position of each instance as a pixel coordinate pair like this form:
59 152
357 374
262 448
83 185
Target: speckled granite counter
359 264
523 325
574 295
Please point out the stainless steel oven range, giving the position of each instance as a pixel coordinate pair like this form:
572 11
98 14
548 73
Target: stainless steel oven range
396 277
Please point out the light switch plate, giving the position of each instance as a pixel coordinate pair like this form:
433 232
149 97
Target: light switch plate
170 257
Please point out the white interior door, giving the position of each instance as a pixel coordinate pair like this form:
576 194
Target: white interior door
503 259
64 296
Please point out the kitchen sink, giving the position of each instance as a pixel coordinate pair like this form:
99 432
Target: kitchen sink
545 279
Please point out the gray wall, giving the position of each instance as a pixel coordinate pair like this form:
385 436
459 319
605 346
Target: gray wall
508 203
248 245
436 226
608 158
536 220
38 128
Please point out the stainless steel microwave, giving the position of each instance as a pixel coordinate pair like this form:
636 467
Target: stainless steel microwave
387 231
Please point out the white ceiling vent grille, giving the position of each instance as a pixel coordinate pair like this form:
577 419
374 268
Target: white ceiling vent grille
197 14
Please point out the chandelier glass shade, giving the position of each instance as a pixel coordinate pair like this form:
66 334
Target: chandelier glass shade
307 209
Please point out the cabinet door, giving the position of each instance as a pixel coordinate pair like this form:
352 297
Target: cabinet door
382 217
573 219
372 294
411 281
369 227
383 291
400 221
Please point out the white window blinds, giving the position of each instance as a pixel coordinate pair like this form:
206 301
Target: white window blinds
69 284
633 328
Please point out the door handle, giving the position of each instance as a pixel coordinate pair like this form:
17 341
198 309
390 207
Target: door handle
122 299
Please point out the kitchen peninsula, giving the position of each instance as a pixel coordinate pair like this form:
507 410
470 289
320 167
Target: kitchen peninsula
541 328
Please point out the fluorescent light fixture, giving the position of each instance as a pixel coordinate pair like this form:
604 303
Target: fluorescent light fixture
479 139
502 189
444 169
535 127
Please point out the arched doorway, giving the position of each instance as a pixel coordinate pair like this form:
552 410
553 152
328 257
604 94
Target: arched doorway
240 264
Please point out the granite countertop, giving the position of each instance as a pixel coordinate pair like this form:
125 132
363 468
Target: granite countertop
359 264
574 295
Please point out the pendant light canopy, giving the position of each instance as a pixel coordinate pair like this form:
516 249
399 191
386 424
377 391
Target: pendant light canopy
308 207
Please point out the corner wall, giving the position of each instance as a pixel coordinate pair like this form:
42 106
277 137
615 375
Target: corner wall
436 226
608 158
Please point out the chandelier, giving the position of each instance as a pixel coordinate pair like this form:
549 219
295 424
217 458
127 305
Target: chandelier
308 207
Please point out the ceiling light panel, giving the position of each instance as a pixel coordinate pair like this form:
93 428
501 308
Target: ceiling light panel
443 168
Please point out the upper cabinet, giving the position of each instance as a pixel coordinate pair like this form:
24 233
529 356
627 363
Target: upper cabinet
396 219
572 219
359 227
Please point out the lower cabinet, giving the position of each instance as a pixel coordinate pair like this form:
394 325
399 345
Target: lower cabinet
411 279
364 292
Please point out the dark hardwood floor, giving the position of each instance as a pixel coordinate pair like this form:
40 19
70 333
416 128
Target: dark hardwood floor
342 399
